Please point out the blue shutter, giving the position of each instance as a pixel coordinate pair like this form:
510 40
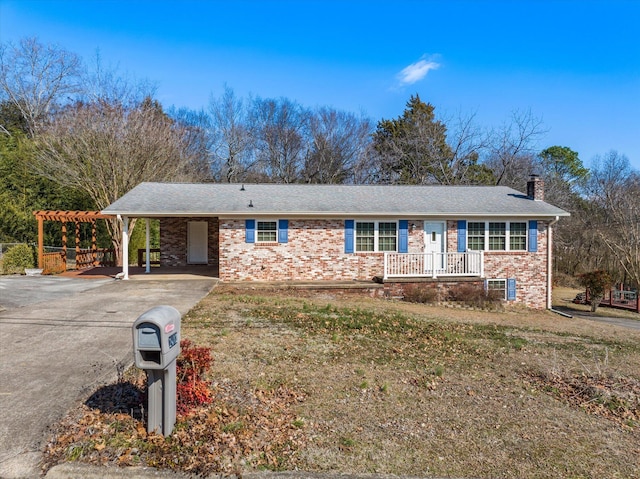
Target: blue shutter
348 236
283 231
462 236
511 289
403 236
533 236
250 231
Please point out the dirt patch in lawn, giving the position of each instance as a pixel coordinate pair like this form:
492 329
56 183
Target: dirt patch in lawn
357 385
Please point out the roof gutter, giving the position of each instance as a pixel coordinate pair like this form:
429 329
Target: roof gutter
549 265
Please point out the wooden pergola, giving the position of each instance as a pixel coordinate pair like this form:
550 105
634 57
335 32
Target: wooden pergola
64 217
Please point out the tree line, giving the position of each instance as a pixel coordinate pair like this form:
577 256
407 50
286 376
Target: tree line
78 136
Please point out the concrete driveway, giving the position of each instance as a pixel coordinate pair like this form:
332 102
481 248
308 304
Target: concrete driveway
62 338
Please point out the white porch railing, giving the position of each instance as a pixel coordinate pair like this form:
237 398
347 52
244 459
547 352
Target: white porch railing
432 265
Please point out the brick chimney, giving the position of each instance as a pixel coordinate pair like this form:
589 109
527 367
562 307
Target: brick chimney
535 188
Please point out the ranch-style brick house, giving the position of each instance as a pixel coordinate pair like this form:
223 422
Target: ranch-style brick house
442 235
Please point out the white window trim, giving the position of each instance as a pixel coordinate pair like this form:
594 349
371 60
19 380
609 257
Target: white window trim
376 235
504 281
257 241
507 235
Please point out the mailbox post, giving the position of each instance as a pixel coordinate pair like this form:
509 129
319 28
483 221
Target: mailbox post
156 345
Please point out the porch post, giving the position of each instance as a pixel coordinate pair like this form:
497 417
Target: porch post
386 271
147 244
125 247
433 264
482 263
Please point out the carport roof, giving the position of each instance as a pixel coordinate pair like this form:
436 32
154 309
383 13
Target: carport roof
302 200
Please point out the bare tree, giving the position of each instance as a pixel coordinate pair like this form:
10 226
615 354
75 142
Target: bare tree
614 190
338 144
104 83
232 139
512 150
36 78
280 134
107 149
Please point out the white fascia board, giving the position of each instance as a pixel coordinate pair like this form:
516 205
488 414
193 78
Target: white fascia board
326 215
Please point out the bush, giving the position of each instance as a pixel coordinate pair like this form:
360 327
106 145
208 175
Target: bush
422 293
474 295
17 258
191 369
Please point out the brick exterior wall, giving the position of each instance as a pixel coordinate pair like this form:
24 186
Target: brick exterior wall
173 241
315 251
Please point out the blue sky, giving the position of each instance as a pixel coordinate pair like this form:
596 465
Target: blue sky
575 63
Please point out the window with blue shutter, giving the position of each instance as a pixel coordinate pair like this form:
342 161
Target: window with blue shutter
533 236
250 231
462 236
403 236
283 231
511 289
348 236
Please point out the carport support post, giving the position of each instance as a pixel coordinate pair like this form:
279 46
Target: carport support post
125 246
148 246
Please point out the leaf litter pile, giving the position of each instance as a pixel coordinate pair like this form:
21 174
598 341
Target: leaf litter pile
314 382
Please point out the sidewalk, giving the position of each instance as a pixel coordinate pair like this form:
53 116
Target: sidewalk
56 349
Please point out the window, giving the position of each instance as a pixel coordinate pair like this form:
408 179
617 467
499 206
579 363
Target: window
365 236
497 288
517 236
376 236
497 236
267 231
386 237
475 236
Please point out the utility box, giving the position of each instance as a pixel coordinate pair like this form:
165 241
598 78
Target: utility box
156 346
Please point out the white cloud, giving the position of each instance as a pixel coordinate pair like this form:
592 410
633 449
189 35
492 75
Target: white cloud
416 71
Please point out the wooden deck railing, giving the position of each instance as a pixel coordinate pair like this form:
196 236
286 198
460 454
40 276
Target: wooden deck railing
86 258
154 257
622 299
433 265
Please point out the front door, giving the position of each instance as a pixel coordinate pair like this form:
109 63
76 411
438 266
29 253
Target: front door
434 243
197 244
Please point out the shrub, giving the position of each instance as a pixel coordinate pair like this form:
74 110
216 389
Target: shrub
422 293
17 258
475 295
191 368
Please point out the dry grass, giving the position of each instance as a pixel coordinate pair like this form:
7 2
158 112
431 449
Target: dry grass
411 389
326 382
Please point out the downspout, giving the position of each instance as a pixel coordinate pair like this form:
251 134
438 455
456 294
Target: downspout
549 265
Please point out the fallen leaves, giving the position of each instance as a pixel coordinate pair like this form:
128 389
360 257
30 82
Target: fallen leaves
615 398
241 427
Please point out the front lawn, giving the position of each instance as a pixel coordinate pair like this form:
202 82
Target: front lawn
319 382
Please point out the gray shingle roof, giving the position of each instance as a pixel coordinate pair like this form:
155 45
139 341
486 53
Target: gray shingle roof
338 201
